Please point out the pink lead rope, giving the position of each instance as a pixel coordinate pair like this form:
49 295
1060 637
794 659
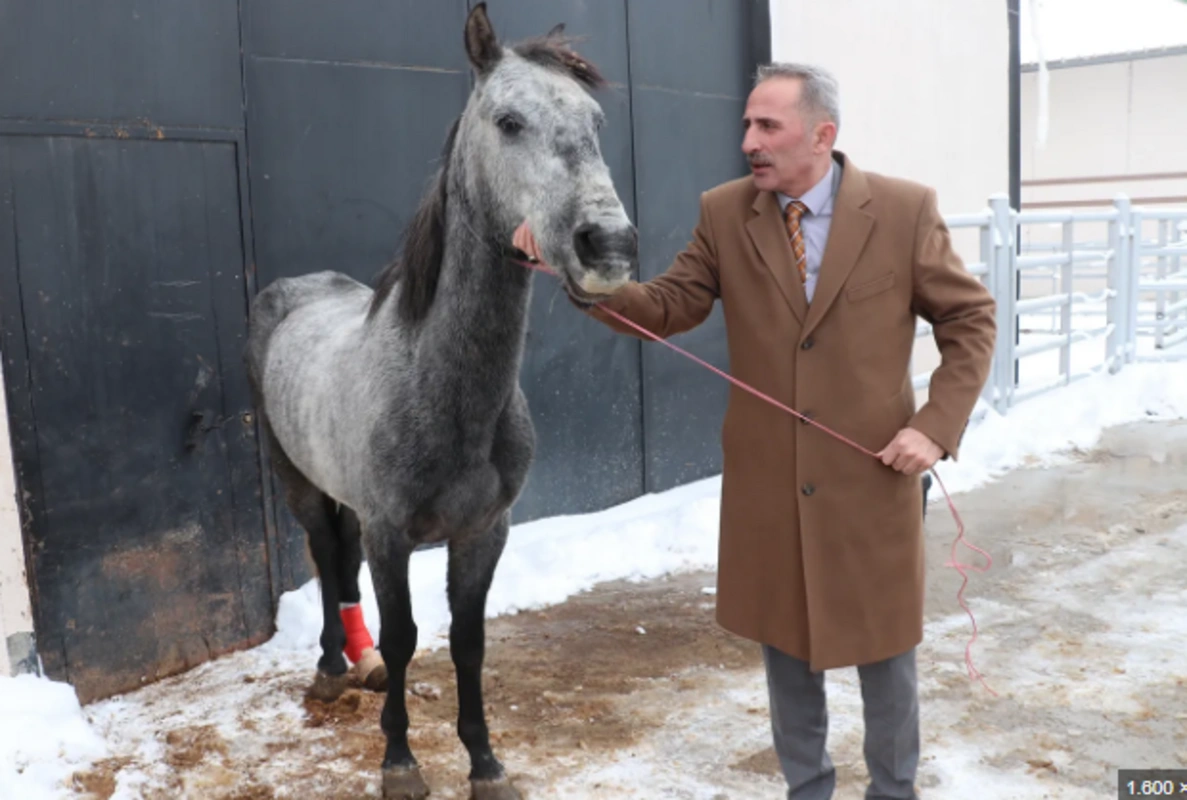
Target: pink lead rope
953 562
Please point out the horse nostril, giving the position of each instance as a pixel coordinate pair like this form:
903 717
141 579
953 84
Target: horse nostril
601 244
583 242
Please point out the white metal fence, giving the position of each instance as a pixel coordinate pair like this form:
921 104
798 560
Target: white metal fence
1077 292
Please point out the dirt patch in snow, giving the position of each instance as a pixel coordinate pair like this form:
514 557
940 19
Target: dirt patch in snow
632 691
99 781
558 685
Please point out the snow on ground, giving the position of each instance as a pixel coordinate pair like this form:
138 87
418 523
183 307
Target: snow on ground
45 736
1045 430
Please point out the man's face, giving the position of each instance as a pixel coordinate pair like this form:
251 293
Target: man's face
780 144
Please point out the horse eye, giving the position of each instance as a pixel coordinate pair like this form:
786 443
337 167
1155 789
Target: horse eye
509 124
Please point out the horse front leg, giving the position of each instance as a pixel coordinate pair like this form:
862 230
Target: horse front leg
472 562
388 552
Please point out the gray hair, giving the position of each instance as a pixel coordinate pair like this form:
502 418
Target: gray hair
820 94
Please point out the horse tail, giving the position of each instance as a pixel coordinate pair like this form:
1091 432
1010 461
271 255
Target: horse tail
267 311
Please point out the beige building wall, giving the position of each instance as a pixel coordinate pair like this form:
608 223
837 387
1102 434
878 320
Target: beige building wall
924 95
16 618
1113 128
924 87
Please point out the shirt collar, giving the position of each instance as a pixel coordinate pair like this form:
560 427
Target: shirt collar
818 199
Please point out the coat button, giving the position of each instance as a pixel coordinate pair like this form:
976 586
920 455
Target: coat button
807 344
806 416
808 489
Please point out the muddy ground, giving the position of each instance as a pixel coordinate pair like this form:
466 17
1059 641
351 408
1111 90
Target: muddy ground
631 691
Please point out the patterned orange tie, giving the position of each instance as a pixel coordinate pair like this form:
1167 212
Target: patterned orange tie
795 212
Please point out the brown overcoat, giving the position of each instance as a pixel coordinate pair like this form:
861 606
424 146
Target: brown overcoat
821 547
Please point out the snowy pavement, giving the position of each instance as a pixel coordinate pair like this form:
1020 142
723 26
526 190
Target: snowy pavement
1080 621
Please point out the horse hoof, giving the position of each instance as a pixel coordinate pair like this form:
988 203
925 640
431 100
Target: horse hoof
404 783
328 688
372 671
498 789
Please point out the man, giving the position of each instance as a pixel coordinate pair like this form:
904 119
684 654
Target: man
821 269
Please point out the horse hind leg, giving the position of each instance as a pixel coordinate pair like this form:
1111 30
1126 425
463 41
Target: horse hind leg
472 563
323 525
360 648
315 512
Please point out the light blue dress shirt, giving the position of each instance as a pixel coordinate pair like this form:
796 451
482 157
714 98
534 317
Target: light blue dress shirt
814 225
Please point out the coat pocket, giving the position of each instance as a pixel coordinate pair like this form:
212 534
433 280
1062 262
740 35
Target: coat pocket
870 288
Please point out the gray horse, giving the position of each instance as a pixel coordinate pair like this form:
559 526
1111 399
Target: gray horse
395 417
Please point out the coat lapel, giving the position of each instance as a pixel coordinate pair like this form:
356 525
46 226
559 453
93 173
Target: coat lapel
847 236
769 235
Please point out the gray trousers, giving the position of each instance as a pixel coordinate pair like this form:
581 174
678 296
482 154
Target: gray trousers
799 721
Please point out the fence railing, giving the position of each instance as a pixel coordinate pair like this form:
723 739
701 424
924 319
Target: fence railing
1068 306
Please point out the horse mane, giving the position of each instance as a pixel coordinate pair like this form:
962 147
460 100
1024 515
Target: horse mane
553 52
419 267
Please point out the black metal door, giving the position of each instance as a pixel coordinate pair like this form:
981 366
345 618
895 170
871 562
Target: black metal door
146 534
122 304
692 63
156 158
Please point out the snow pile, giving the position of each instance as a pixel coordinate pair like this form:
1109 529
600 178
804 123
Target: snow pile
43 738
1045 430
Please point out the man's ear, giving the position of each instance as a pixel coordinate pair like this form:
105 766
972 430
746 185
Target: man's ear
825 136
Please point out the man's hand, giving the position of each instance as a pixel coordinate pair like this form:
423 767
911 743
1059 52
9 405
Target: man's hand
523 239
910 452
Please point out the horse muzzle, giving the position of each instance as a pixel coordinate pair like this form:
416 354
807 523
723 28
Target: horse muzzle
608 255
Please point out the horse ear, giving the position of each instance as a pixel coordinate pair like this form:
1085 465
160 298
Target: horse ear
481 44
556 31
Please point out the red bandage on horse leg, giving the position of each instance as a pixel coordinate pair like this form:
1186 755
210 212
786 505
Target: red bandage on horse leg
358 638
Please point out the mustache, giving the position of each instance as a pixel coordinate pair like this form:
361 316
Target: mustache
759 161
